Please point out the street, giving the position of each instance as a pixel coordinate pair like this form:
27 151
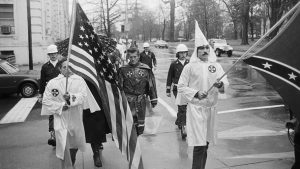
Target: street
251 129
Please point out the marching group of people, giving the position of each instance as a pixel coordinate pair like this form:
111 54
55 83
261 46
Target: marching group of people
64 97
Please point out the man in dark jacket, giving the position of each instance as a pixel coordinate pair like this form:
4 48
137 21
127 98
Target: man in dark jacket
49 71
147 57
172 79
137 81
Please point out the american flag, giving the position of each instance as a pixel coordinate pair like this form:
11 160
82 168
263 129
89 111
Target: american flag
88 60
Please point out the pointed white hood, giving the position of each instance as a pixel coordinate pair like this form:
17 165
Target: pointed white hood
200 40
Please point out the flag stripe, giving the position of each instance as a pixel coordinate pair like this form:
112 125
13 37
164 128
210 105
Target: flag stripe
277 69
84 66
119 123
275 75
277 62
85 62
84 73
83 53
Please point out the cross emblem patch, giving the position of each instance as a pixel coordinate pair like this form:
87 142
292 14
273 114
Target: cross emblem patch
212 68
55 92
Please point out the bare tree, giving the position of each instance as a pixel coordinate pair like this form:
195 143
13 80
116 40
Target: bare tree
233 8
108 13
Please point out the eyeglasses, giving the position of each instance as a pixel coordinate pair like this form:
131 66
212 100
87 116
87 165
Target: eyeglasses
203 47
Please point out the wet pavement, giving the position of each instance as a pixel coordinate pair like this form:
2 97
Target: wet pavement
251 134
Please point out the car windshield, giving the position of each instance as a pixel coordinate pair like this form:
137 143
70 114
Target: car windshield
8 67
223 41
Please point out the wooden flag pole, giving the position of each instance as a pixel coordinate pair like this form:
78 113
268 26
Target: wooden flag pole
73 20
259 41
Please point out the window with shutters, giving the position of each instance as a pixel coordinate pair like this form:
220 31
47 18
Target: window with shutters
7 25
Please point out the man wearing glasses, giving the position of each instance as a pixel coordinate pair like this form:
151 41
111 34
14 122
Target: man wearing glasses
194 83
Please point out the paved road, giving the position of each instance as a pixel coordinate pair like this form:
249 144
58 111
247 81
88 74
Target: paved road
250 128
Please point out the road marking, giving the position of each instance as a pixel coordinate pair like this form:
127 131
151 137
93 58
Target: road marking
250 108
174 113
168 107
20 111
267 155
248 131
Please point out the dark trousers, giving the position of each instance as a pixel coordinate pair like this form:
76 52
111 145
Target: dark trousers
199 157
181 111
137 106
297 148
51 123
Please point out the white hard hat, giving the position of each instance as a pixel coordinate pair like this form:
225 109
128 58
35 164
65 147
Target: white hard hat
52 49
181 48
146 45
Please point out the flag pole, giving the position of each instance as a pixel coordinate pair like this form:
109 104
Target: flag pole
259 41
73 16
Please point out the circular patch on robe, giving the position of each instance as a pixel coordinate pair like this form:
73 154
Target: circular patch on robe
55 92
212 68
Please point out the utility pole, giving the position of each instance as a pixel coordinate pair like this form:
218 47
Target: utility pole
29 36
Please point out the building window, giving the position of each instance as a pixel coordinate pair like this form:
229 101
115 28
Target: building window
7 24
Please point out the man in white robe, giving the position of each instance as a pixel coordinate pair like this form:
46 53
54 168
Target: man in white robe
196 79
67 106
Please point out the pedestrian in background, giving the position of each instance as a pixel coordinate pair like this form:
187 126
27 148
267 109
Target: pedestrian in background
195 80
49 71
172 80
147 57
137 81
66 102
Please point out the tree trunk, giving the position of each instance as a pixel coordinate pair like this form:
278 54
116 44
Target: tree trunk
275 15
206 20
108 19
235 30
172 20
245 22
163 31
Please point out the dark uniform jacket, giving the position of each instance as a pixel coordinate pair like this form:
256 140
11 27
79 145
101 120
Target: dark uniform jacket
48 72
148 59
137 80
174 73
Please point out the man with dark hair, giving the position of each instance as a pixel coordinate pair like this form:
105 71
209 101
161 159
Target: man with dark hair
137 81
172 80
49 71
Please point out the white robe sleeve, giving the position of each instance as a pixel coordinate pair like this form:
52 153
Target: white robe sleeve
50 106
187 93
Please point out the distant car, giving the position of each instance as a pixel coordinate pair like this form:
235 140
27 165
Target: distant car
161 44
220 46
13 81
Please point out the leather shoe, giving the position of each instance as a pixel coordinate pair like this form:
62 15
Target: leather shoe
97 160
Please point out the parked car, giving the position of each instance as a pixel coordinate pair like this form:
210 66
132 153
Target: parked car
14 81
161 44
220 46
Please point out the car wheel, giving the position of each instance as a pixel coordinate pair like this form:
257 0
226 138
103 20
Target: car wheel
28 90
218 52
229 53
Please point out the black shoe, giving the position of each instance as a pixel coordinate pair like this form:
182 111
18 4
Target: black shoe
52 140
97 160
183 132
96 150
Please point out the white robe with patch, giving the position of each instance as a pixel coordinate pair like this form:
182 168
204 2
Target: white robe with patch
66 123
201 114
